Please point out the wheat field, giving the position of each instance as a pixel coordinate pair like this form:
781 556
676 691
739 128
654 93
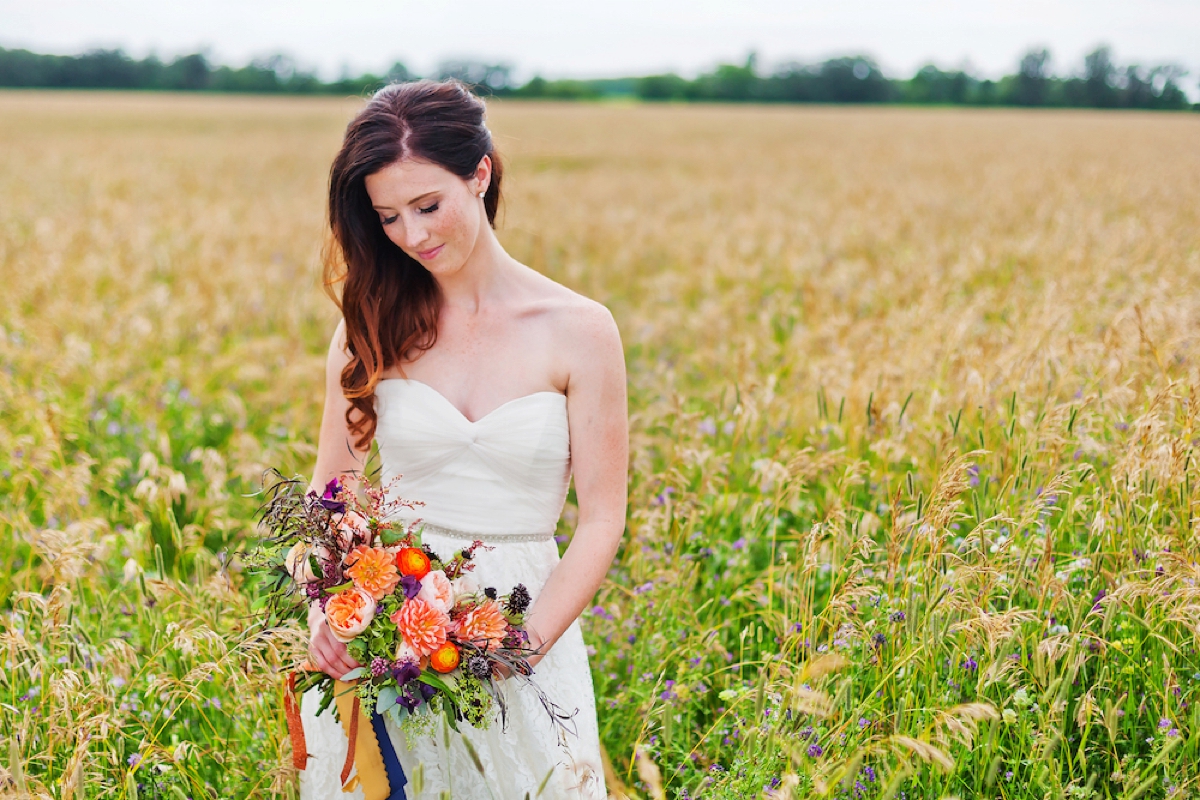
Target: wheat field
913 399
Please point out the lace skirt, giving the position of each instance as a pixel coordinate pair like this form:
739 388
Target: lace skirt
530 750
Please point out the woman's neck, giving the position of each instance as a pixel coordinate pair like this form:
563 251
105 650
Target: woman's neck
483 277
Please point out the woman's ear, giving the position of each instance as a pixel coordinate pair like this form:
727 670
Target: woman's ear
483 174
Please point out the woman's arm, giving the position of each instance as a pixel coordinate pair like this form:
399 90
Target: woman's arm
599 426
336 454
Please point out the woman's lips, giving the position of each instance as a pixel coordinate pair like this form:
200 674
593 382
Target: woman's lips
428 254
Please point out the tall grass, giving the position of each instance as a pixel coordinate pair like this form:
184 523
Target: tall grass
913 404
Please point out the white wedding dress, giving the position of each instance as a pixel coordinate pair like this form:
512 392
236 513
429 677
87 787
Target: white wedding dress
502 479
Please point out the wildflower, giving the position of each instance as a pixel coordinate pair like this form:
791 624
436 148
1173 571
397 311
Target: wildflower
329 498
970 665
815 750
134 759
1164 723
1021 698
879 640
379 667
1009 716
896 616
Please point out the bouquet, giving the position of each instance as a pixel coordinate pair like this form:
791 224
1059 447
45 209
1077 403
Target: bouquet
433 642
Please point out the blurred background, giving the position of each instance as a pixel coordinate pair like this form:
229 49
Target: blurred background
1059 53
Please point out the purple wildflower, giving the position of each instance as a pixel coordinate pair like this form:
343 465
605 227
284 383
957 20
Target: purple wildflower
329 500
896 616
411 586
815 750
970 665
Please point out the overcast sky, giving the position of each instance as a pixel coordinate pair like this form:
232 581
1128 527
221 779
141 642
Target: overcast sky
567 38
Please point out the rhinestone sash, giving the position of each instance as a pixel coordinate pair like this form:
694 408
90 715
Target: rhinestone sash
486 538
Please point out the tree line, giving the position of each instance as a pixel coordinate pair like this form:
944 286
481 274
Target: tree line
1100 83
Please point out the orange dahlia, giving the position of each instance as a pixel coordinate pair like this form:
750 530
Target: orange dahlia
483 624
372 570
422 626
413 561
445 658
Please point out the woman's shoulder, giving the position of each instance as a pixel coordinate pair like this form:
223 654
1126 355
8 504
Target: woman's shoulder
567 313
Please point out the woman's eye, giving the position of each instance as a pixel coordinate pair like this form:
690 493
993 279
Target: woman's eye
429 210
390 220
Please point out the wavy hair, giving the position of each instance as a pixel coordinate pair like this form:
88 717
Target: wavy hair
388 300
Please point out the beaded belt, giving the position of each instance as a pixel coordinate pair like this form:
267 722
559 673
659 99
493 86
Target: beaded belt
487 538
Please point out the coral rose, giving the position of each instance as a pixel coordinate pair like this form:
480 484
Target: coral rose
437 591
483 625
422 626
445 658
349 612
372 570
413 561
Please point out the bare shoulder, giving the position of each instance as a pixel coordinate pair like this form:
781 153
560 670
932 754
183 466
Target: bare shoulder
573 319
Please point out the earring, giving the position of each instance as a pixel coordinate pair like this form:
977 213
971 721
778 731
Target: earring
481 194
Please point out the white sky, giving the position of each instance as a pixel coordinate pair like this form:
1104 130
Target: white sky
609 38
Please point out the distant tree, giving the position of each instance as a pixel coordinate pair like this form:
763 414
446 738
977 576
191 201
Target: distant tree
1032 79
853 79
494 78
932 85
662 87
729 82
1098 74
399 73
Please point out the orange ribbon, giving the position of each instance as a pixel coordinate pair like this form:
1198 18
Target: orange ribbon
291 708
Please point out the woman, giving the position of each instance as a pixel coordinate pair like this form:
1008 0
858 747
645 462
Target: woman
485 385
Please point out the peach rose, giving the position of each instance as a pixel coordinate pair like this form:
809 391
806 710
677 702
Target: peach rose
373 570
464 585
349 612
422 626
437 591
297 564
484 626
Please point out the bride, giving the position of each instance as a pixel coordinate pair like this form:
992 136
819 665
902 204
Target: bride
485 385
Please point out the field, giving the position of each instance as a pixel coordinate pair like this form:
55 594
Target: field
913 401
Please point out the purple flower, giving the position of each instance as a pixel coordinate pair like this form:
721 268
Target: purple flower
740 543
411 586
896 616
329 500
379 667
1164 723
970 665
815 750
404 671
134 759
879 640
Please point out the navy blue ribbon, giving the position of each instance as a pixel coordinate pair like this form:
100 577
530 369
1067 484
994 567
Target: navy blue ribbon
391 764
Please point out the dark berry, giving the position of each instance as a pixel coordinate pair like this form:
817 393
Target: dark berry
490 591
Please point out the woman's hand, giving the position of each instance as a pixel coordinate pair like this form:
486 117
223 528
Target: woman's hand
324 650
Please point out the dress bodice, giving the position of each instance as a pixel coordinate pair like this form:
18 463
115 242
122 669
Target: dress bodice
503 476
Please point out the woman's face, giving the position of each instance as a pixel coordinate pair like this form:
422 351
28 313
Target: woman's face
429 212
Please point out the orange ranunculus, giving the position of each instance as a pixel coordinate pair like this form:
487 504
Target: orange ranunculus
413 561
445 658
349 612
422 626
372 570
483 625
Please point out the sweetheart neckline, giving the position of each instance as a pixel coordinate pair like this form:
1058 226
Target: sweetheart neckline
463 416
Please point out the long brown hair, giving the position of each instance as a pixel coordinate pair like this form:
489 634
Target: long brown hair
389 301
